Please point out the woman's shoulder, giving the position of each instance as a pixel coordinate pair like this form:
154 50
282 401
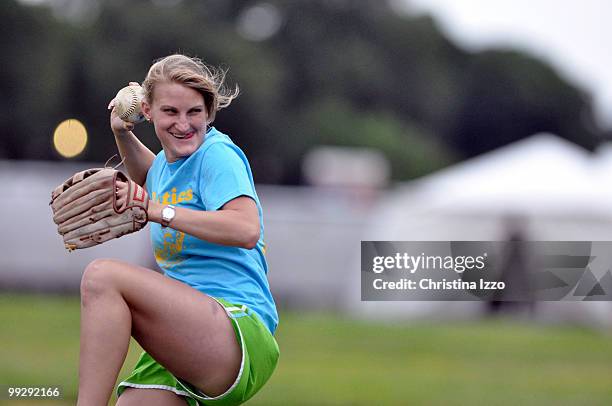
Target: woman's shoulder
158 161
214 137
219 143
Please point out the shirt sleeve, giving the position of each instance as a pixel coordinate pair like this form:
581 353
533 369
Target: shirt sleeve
225 176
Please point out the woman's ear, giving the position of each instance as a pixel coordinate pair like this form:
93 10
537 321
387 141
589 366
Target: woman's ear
146 110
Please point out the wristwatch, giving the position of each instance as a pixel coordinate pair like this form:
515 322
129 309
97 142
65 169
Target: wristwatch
167 215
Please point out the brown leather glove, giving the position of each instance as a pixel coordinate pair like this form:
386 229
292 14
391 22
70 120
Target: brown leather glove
86 211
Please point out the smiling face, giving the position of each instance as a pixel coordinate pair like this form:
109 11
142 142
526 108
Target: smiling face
179 116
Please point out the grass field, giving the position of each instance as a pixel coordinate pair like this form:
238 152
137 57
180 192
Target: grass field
328 360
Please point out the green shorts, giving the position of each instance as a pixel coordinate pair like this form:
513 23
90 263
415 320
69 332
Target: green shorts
259 357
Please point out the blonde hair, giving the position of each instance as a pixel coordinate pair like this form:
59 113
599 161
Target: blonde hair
193 73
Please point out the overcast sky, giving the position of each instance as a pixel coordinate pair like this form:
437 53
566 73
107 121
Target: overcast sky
572 35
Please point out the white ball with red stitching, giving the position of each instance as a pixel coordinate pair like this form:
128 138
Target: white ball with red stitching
128 104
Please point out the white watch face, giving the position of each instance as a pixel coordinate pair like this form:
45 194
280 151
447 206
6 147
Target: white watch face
167 214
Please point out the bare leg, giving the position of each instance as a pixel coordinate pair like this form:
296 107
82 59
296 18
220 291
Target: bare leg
105 336
186 331
150 397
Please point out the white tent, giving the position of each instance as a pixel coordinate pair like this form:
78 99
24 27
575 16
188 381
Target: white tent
560 190
534 176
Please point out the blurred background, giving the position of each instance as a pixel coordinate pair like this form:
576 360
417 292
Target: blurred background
362 120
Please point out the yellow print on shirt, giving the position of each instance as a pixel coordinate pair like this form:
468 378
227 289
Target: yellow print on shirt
173 197
169 253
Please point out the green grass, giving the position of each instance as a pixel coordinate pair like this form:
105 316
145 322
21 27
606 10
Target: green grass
329 360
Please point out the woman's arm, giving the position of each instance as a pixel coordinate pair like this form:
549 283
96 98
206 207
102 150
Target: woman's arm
136 157
236 224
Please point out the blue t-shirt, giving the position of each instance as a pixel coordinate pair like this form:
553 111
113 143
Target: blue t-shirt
210 177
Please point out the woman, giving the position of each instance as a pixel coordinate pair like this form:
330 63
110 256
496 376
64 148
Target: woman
207 324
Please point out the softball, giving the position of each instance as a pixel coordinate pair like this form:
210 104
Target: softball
128 102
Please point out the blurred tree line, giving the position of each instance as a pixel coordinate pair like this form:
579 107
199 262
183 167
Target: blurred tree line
336 72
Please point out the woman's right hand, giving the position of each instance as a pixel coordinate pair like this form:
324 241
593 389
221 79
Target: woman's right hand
119 126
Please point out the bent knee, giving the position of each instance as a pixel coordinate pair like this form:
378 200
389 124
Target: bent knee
98 277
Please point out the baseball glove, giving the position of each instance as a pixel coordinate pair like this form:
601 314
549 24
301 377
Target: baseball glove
86 211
